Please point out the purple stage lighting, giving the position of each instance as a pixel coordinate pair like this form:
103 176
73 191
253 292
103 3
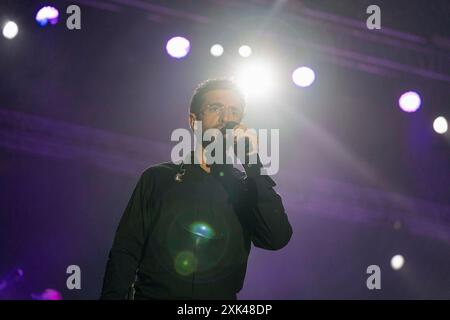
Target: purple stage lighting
409 101
48 294
178 47
47 15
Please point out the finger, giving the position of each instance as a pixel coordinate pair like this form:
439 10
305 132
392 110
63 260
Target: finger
239 133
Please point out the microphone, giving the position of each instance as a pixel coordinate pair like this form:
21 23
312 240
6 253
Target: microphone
229 125
247 144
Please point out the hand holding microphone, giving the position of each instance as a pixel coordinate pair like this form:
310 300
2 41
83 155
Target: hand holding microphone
240 131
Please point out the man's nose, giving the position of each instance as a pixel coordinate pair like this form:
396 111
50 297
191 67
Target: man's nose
228 115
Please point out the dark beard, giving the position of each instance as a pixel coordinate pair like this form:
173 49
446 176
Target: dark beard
213 152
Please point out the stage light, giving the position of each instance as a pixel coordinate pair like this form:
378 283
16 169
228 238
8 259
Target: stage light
440 125
303 76
245 51
47 15
410 101
178 47
216 50
256 79
397 262
10 30
48 294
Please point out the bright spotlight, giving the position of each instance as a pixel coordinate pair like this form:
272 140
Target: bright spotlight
47 15
397 262
440 125
245 51
303 76
216 50
178 47
255 79
410 101
10 30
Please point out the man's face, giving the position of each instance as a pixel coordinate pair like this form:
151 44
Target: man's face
218 107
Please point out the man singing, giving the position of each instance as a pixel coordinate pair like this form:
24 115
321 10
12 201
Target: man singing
187 230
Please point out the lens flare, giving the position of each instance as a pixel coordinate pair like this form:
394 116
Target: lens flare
185 263
202 229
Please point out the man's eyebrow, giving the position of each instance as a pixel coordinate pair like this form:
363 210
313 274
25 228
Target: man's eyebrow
239 106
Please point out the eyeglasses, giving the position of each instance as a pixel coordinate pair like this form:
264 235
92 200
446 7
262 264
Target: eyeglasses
217 108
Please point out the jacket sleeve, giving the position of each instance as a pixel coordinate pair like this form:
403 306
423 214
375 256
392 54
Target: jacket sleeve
270 227
126 252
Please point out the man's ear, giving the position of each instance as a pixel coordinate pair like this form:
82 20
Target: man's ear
192 119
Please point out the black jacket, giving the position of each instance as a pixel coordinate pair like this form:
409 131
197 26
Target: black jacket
190 239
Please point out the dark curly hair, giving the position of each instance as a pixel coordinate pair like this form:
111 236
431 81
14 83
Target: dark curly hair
209 85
